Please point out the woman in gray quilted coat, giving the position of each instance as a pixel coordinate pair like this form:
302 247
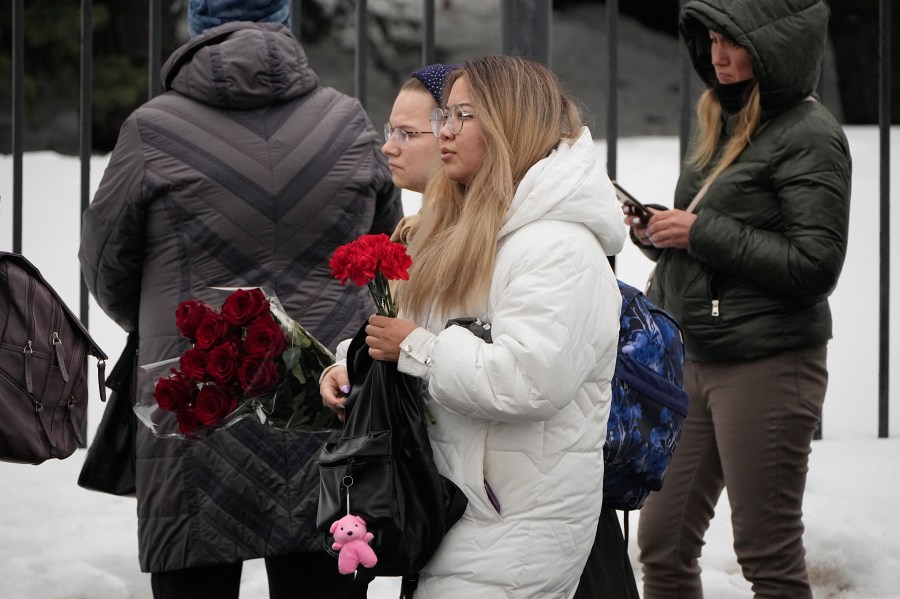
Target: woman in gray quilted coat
245 172
746 261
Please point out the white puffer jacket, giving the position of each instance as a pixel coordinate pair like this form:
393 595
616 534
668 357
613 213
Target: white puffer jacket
527 413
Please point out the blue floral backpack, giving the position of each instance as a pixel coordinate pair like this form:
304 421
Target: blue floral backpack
649 403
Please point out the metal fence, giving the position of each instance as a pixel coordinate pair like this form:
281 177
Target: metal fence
526 26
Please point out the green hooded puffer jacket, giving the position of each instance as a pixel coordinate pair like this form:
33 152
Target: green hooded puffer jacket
770 237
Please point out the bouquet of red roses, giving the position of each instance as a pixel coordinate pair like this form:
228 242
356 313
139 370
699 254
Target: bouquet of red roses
373 260
249 357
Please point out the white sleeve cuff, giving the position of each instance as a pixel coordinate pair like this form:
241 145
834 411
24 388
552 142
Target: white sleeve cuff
340 358
328 369
415 353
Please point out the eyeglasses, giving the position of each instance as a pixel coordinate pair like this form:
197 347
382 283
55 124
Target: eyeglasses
454 116
401 136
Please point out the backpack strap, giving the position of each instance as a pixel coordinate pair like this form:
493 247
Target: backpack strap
697 198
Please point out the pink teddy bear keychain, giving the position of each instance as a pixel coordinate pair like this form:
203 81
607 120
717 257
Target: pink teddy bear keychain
351 541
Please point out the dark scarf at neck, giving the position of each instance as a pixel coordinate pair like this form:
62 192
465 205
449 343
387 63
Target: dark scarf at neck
733 96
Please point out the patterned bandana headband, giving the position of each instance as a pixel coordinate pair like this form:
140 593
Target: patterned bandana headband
433 77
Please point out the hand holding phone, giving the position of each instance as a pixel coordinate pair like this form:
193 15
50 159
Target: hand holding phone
637 209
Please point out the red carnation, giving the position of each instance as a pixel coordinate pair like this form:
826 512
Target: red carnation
264 338
356 260
372 260
223 362
188 316
395 262
244 305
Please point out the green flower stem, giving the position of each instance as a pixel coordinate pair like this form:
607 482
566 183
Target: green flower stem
380 291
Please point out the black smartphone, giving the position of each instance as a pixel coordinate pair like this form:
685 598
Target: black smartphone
637 209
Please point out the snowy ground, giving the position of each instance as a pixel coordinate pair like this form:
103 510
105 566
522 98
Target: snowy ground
58 541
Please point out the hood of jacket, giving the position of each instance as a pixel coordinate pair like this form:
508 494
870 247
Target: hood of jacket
570 185
785 39
241 66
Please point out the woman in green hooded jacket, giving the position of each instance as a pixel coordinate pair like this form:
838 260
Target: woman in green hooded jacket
746 261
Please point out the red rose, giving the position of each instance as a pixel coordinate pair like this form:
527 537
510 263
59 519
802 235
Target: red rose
193 363
187 421
264 338
223 362
211 331
244 305
188 316
212 405
174 392
257 376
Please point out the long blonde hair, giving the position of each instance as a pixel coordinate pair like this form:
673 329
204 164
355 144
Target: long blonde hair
523 113
709 119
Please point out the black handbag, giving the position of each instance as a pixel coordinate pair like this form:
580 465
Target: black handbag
44 351
109 464
384 463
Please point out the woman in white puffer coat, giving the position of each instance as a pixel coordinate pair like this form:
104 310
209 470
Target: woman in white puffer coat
516 231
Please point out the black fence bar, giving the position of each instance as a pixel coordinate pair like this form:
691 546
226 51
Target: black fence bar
884 129
296 17
526 28
686 113
612 95
154 48
84 128
428 52
18 117
362 50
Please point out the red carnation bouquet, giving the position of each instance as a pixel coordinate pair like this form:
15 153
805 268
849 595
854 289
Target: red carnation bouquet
249 357
373 260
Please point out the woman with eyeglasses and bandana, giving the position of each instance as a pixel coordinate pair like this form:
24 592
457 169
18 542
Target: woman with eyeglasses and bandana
409 144
516 229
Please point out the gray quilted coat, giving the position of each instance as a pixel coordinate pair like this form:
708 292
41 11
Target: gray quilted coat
245 172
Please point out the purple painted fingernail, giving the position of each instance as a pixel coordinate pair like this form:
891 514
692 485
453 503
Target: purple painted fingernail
345 389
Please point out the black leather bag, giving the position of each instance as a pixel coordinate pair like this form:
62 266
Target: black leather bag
109 464
44 352
383 458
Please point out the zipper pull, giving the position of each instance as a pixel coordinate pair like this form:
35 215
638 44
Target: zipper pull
73 417
60 357
27 350
715 307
